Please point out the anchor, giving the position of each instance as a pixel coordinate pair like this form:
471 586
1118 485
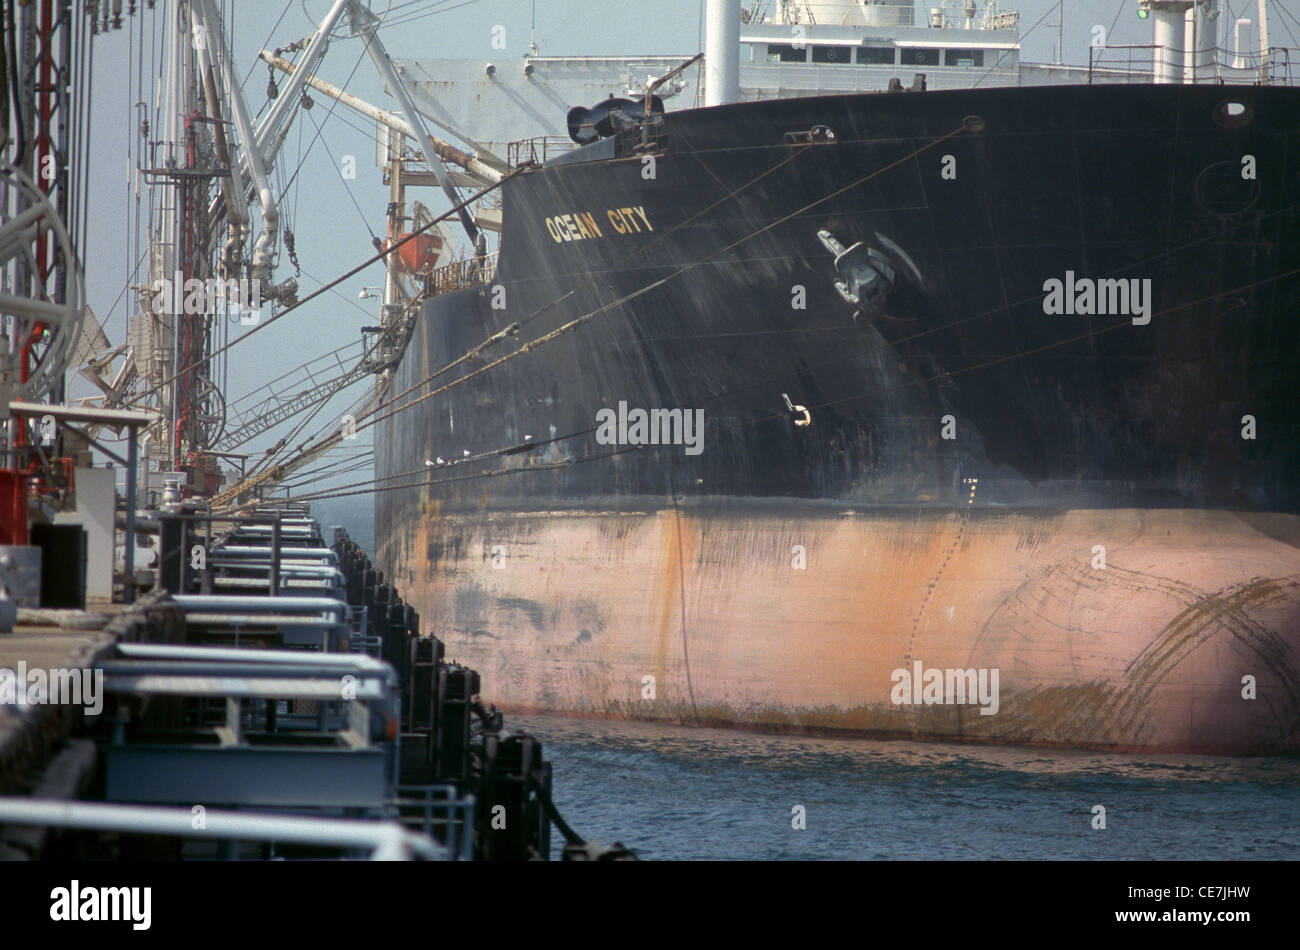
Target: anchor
866 276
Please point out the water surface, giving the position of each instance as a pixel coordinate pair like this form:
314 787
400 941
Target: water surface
676 792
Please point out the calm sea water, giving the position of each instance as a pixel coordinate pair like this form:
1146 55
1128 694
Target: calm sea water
689 794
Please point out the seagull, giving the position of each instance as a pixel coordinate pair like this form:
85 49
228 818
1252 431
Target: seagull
466 451
435 464
528 438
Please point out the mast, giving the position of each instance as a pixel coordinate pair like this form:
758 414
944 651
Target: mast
722 52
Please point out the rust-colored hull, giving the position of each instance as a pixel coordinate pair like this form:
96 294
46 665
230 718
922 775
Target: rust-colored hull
576 609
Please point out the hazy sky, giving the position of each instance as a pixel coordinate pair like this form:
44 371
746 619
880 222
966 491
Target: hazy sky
333 219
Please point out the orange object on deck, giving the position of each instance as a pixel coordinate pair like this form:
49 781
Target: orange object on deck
420 254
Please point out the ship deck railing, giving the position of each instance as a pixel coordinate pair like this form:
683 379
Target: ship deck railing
440 813
537 149
377 840
471 272
1138 64
235 745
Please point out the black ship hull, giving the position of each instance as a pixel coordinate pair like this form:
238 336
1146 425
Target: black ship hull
986 379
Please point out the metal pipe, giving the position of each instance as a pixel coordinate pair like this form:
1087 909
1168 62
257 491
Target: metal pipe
231 195
288 97
216 39
270 658
262 605
1168 27
1238 61
302 554
722 52
234 201
288 569
649 94
132 453
445 150
1170 51
275 556
1205 43
1263 41
194 677
385 840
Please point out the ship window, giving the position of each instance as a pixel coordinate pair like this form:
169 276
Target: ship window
832 54
785 53
876 55
963 57
920 57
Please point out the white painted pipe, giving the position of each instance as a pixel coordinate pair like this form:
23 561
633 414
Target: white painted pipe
1168 63
1263 40
466 161
722 52
271 123
386 840
264 251
1206 47
232 193
1238 60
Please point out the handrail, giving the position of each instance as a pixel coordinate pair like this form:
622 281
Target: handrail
1141 61
471 272
385 840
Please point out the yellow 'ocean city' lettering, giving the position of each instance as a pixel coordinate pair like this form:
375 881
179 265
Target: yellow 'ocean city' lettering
582 226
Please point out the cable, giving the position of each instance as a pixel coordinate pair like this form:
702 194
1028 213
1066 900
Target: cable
1284 23
378 256
320 128
343 383
474 352
579 321
776 415
339 171
349 464
414 16
247 397
1118 11
265 43
571 836
573 324
125 287
1023 36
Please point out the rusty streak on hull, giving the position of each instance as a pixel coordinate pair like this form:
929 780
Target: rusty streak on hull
1147 653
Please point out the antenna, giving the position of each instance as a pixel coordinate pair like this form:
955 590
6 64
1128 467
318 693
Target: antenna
1060 31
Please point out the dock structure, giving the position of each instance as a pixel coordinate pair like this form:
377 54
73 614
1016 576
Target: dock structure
274 677
172 639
